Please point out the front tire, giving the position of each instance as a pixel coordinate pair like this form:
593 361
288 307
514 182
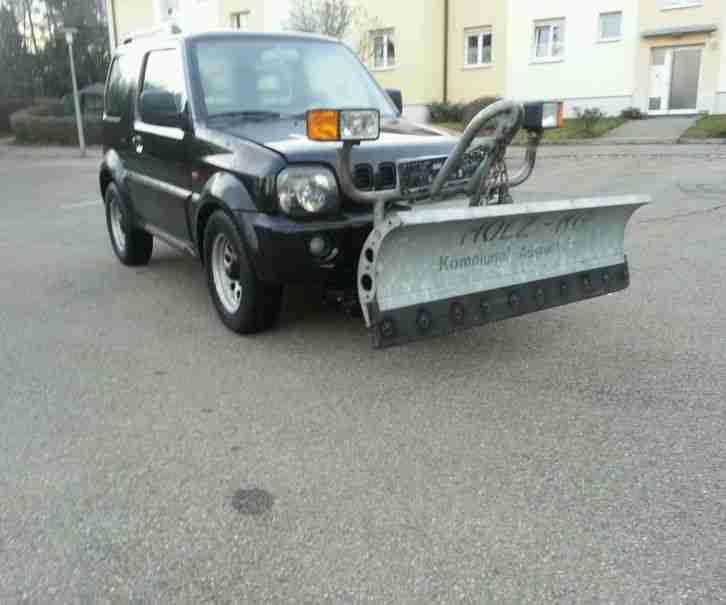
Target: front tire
133 246
244 303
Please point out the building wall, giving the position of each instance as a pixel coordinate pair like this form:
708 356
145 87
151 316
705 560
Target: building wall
468 83
133 16
264 15
712 58
419 39
610 75
196 15
653 17
590 73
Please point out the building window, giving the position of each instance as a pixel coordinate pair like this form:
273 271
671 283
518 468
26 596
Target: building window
669 4
611 26
384 49
240 20
549 40
478 46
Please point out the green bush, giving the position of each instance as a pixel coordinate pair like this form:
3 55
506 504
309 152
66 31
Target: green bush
446 112
48 124
632 113
8 106
588 120
51 108
473 108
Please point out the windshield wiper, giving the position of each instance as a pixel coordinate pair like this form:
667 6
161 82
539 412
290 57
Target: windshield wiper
252 115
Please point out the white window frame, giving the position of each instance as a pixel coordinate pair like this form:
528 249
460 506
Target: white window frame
236 17
551 23
601 37
387 35
669 5
479 33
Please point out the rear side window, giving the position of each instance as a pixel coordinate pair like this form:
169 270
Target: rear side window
120 80
164 73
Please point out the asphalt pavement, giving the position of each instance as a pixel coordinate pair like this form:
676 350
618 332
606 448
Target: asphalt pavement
148 455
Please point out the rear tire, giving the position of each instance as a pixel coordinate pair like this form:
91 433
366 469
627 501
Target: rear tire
244 303
133 246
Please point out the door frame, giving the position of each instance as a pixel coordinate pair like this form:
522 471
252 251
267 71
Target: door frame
670 51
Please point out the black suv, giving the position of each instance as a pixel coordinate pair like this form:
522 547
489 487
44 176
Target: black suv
205 147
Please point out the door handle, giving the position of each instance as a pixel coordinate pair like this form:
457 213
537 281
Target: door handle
138 142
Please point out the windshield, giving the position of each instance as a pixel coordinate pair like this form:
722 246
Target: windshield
258 77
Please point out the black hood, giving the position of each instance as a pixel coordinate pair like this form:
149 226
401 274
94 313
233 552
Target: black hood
399 139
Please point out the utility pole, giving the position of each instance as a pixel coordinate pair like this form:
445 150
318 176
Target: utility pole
70 32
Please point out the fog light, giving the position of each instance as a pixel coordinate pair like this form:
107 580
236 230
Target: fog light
319 246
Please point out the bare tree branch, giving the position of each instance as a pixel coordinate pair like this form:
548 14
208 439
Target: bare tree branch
32 26
333 18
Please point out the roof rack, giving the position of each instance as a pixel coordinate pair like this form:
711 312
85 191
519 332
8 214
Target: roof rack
168 29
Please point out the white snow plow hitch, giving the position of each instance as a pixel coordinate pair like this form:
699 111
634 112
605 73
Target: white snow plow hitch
450 250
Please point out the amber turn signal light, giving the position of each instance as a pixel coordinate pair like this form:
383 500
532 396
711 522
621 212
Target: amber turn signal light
353 125
323 125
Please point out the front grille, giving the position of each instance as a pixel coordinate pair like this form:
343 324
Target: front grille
386 176
363 177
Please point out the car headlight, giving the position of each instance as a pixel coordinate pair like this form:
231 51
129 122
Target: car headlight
312 189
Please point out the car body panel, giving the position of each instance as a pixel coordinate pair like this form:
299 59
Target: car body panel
173 181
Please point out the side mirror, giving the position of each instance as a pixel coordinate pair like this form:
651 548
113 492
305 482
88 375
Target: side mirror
396 97
159 107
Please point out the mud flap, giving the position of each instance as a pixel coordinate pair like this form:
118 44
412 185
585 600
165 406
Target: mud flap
434 270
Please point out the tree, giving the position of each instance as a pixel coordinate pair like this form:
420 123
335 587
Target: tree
341 19
15 60
333 18
29 13
363 26
90 47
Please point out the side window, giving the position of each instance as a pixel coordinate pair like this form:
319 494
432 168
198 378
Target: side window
164 73
123 72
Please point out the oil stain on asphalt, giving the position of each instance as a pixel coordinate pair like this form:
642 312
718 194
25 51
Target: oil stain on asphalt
252 501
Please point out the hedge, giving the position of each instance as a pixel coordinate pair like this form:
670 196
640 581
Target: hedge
445 112
473 108
48 124
8 106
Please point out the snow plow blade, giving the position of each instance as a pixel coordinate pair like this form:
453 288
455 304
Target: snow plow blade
438 269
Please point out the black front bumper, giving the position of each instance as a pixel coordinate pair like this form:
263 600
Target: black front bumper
278 247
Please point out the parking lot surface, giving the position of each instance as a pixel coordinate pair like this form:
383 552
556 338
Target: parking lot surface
148 455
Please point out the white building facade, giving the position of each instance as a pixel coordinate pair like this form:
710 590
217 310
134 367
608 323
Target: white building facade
579 51
129 16
661 56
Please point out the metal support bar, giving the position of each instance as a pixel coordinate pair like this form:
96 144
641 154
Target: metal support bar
506 130
510 128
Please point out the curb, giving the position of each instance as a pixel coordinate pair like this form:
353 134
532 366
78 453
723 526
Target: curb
601 142
687 141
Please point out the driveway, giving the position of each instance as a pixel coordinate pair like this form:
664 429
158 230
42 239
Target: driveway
148 455
660 129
